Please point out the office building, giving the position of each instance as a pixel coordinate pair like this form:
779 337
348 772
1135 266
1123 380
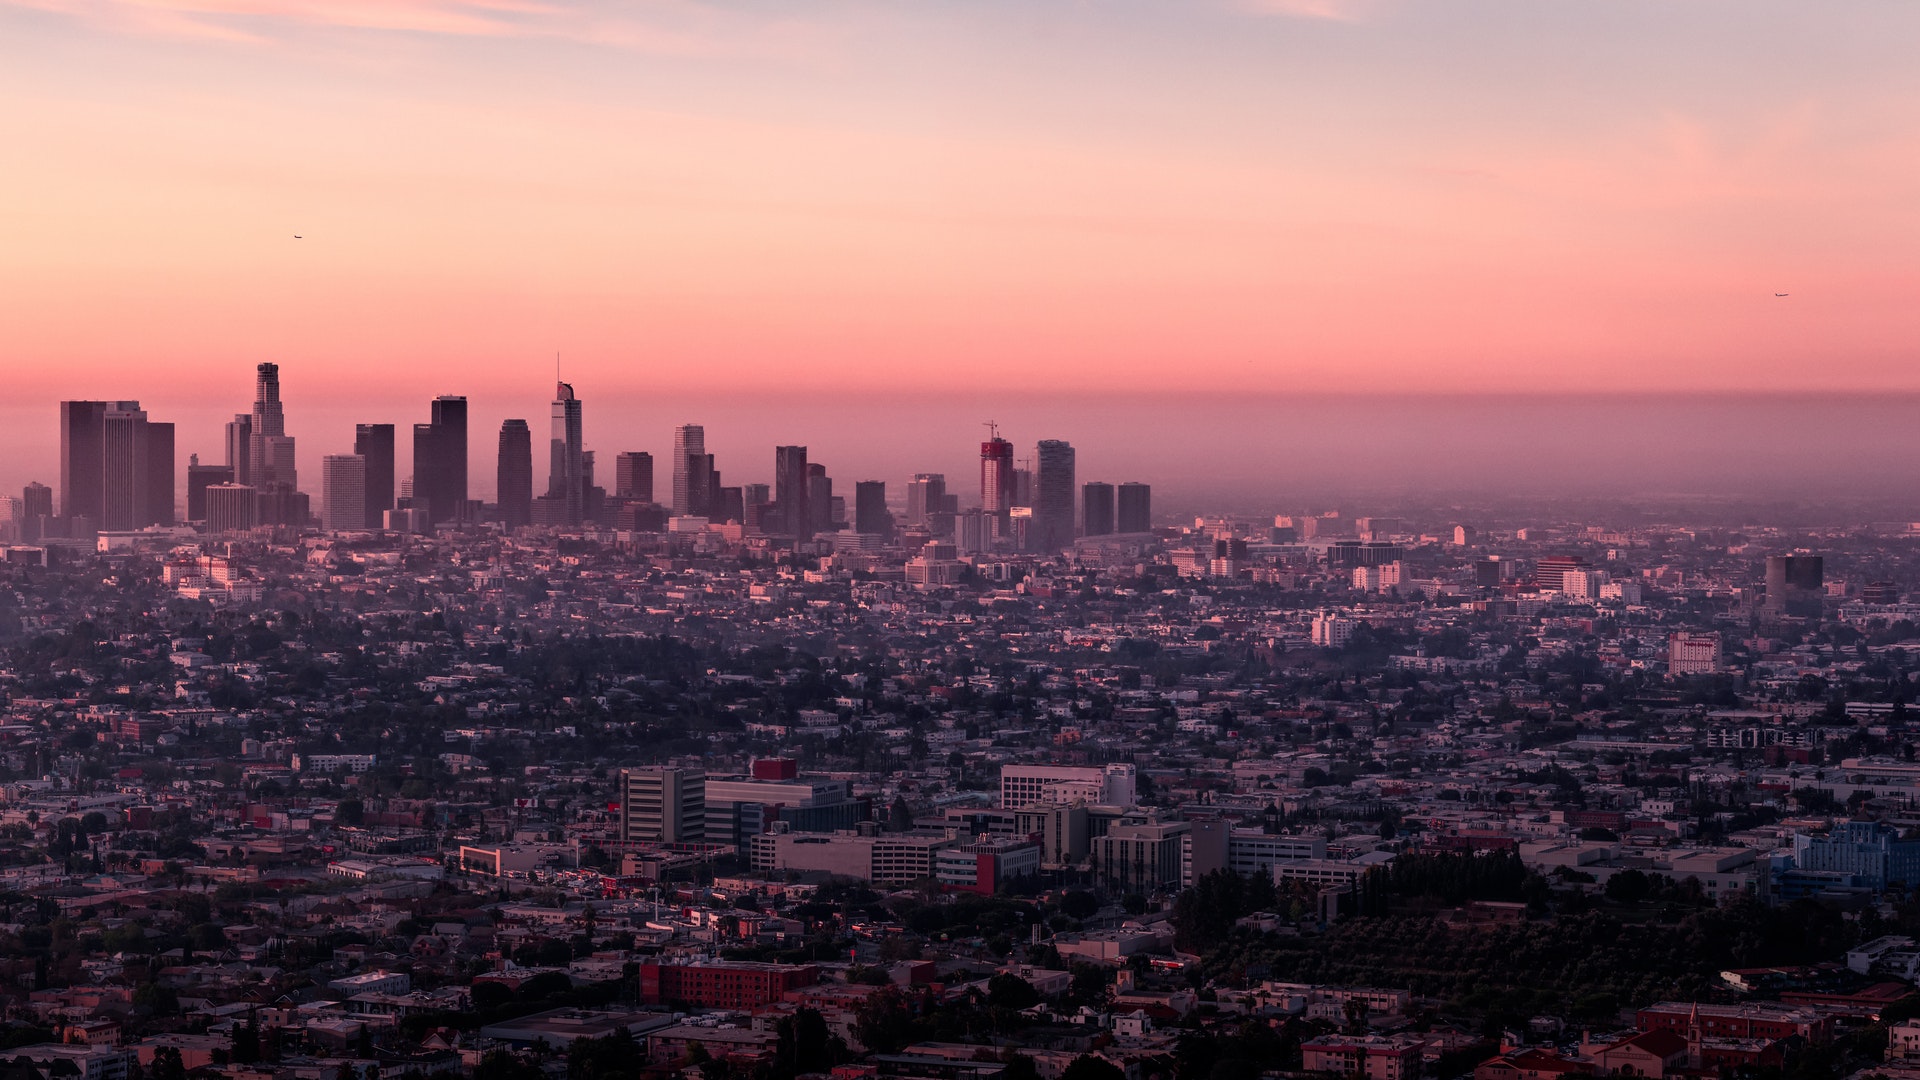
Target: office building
375 443
566 470
1063 830
661 805
791 487
440 461
870 508
230 508
825 511
343 506
741 807
722 984
982 866
270 450
1103 785
116 465
1140 855
1218 845
1134 508
1053 497
882 859
1097 509
633 476
689 479
513 474
1795 585
81 477
240 447
136 463
1870 852
36 511
1549 573
1693 654
926 496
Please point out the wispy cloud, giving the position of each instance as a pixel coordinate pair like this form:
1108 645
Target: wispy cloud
1340 10
670 26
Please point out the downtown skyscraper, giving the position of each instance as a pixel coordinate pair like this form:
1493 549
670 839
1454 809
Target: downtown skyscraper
1134 513
791 488
633 476
513 477
375 443
116 466
440 461
1097 508
271 464
343 494
1053 496
692 469
566 470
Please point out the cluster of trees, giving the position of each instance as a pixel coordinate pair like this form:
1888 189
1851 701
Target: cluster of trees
1450 878
1204 915
1586 965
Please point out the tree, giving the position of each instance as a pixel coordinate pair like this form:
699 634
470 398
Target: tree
1009 991
804 1043
1079 904
899 815
1629 887
246 1044
167 1065
1020 1067
1088 1067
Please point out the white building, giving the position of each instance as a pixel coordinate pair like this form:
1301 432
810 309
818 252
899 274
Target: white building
1693 654
1332 631
1102 785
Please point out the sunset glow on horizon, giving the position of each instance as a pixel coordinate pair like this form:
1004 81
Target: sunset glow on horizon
1238 197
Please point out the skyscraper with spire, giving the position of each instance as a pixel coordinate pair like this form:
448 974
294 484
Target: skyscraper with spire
566 473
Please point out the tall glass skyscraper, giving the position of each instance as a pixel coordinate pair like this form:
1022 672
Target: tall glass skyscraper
514 476
1053 496
440 461
375 443
689 490
566 475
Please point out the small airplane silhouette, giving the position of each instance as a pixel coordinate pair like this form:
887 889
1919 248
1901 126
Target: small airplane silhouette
297 236
1779 294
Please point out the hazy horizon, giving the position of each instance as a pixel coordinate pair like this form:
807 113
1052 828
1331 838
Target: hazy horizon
1247 455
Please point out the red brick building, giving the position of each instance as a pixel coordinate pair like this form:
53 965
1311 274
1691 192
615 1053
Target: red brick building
722 984
1753 1020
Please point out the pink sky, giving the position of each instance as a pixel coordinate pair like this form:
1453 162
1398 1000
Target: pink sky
1208 195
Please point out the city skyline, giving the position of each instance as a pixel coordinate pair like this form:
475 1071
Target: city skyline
1326 450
